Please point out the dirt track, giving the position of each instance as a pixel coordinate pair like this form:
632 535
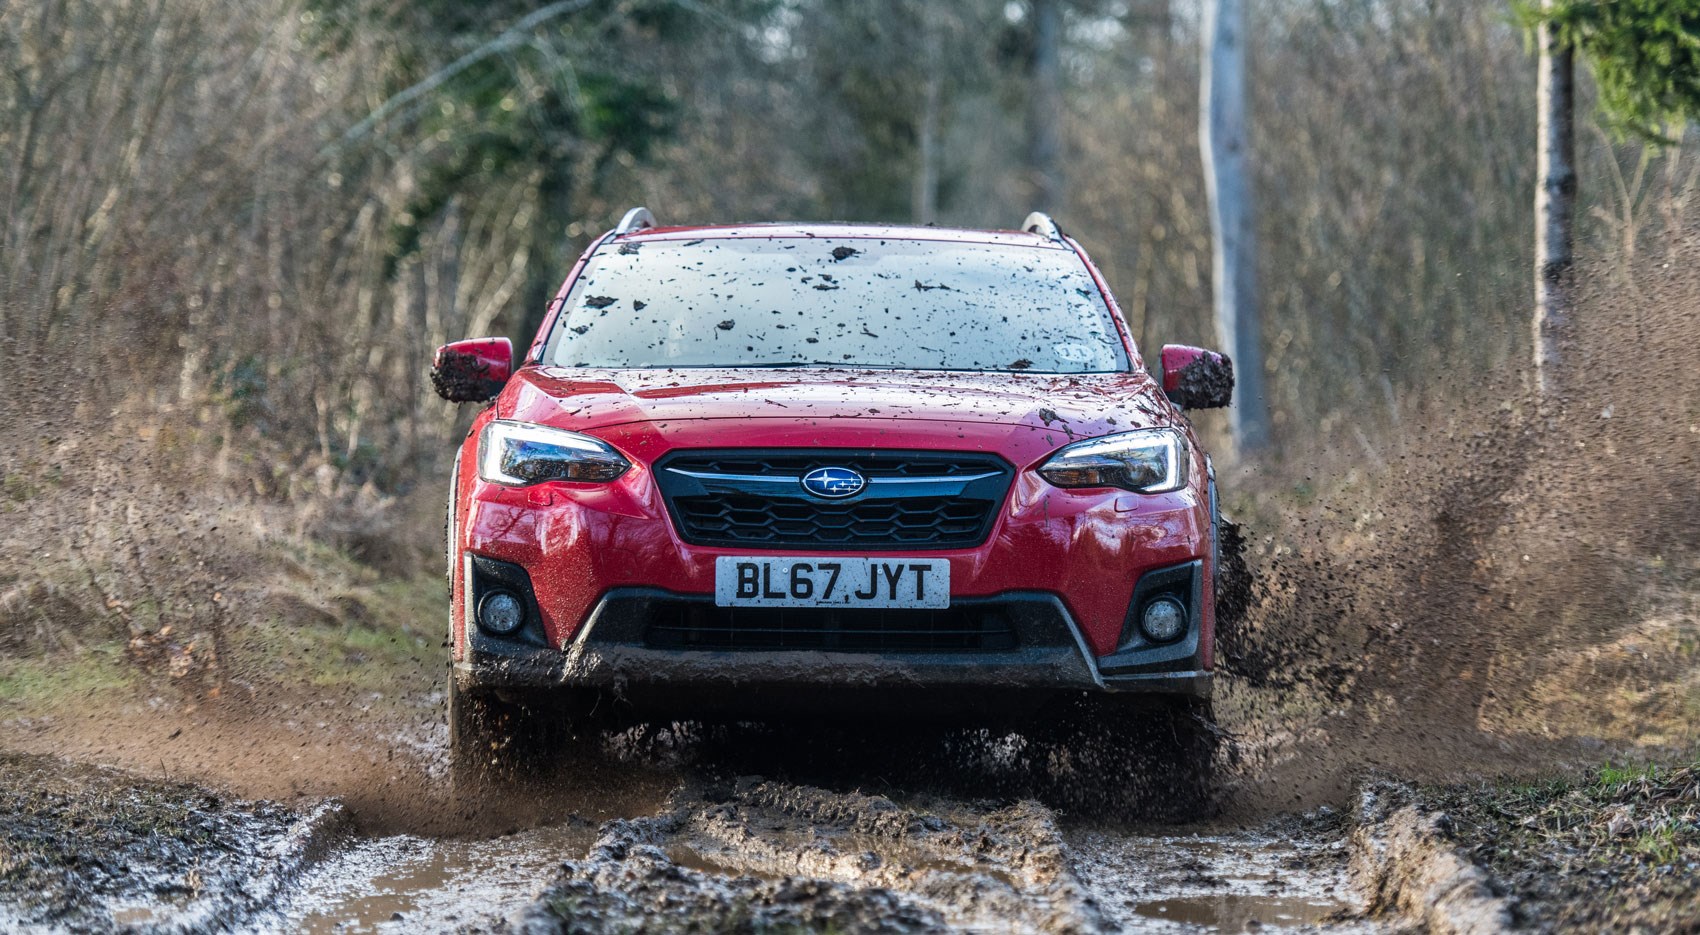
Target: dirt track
669 829
764 851
698 851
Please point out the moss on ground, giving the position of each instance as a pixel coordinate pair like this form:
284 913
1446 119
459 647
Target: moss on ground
1560 845
33 684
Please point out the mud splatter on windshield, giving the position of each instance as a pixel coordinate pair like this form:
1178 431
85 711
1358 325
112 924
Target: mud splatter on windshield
909 305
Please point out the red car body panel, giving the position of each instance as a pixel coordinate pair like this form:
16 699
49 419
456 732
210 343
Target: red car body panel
1089 547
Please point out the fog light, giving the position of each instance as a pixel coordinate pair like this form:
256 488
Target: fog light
501 613
1164 620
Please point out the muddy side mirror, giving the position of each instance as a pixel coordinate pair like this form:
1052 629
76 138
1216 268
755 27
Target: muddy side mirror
1194 378
472 371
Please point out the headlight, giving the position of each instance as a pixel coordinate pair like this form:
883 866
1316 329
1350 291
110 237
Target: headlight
1147 461
519 453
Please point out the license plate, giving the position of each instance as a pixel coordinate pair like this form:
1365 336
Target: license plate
831 582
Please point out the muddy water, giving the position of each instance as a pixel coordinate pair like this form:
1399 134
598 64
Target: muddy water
1281 876
951 865
405 883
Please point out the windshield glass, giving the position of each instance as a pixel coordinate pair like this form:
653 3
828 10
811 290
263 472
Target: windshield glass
802 302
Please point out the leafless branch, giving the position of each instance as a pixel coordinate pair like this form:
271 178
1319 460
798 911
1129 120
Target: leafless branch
509 38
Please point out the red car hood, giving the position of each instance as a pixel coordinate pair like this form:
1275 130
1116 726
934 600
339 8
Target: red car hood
1080 405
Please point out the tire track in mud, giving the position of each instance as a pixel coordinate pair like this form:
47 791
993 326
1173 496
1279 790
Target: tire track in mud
753 854
781 855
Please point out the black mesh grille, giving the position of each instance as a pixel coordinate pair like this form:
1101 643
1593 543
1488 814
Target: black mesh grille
742 520
884 516
693 625
796 464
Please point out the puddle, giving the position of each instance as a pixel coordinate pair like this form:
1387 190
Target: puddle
140 916
1237 881
412 884
1238 913
692 859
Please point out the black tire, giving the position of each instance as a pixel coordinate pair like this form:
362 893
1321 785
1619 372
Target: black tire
1130 756
501 740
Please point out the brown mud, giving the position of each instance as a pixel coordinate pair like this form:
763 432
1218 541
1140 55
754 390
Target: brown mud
1557 845
86 848
1425 607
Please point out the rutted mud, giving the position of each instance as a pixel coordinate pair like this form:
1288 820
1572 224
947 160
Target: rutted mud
1288 873
412 883
723 851
756 854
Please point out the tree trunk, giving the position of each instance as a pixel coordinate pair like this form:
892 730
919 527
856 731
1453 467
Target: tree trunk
1222 140
1555 206
551 251
924 202
1044 124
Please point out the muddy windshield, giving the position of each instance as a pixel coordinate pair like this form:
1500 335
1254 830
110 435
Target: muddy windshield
795 302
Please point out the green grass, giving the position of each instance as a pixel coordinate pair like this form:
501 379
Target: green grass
1611 777
333 623
39 682
372 631
1660 844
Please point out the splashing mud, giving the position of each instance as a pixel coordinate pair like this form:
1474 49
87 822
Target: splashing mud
1412 618
1498 585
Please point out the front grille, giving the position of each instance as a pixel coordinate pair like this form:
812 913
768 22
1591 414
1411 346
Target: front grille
698 625
758 521
798 463
754 499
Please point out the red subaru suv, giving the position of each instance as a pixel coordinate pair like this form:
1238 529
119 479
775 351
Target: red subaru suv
755 471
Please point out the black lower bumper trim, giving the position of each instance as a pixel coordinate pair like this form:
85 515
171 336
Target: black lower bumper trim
1039 649
1034 644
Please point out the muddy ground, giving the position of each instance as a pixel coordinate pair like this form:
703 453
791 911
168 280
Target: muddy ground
690 846
668 830
1493 598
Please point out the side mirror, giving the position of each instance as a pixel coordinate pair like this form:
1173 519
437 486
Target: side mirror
472 371
1194 378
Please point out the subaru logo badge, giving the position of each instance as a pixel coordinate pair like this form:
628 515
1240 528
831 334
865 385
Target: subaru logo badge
833 483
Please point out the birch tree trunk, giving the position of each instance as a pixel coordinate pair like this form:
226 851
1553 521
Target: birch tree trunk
1555 206
1045 114
925 196
1223 143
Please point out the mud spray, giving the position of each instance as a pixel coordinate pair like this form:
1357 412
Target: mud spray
1481 597
1458 612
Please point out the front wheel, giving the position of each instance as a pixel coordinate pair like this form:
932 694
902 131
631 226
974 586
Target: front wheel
499 739
1148 756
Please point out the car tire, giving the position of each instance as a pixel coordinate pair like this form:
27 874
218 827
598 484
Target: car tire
497 739
1142 756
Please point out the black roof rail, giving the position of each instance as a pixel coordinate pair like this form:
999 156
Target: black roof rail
635 220
1040 223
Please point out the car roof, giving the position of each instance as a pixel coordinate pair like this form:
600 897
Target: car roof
842 231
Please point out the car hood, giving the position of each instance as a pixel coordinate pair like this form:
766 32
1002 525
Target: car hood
1078 405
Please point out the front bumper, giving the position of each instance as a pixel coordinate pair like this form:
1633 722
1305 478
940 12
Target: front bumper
616 652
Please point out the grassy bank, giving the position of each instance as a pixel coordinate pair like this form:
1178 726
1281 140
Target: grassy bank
309 619
1559 846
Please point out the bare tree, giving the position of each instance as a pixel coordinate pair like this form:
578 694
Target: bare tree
1044 127
1555 200
925 204
1223 143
